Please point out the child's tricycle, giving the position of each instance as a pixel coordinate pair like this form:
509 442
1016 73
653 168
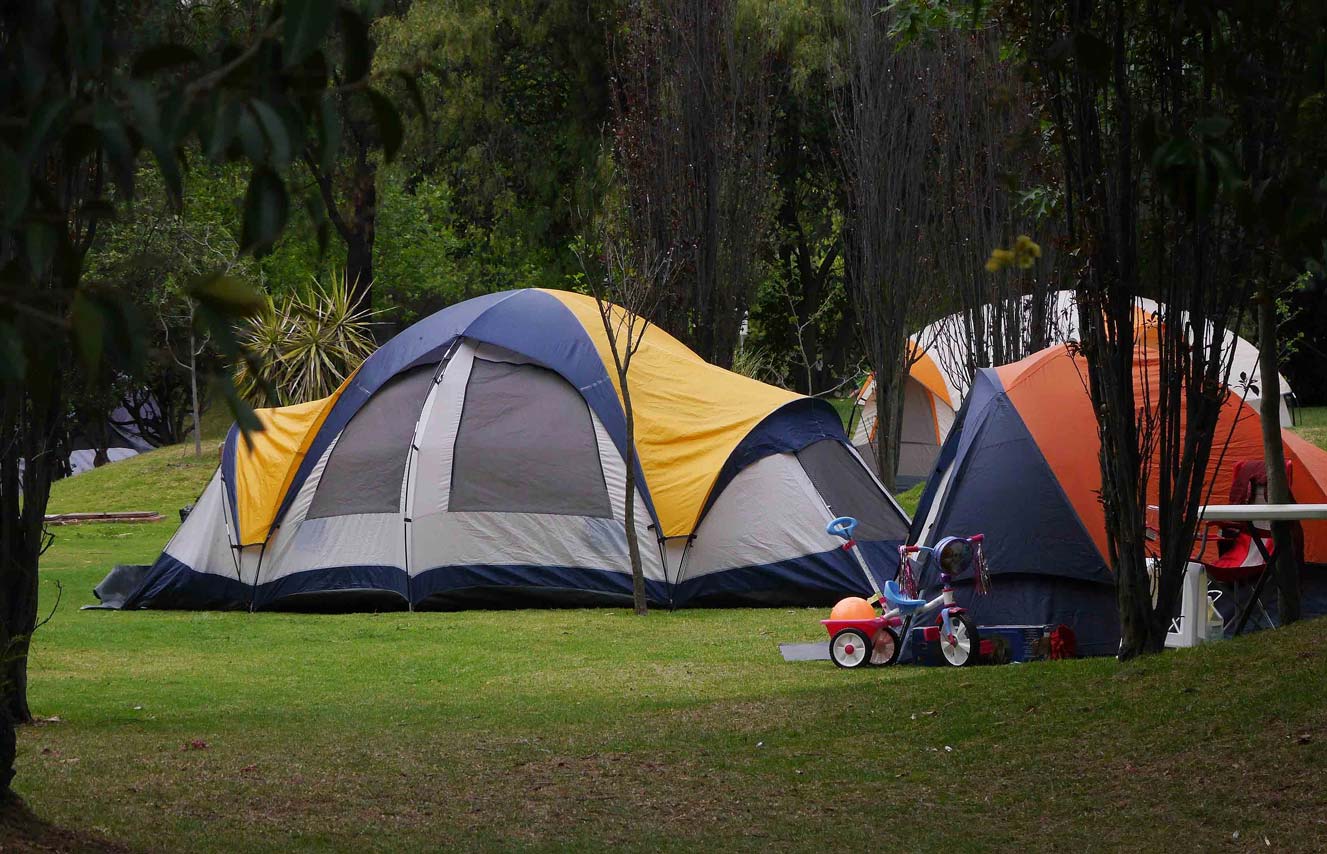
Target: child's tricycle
857 637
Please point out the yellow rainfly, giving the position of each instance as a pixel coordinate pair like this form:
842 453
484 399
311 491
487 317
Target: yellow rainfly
689 415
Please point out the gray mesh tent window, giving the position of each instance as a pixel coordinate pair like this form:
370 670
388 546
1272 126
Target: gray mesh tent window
849 490
368 462
526 444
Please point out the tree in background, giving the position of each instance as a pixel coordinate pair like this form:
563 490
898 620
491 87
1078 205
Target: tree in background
801 315
1166 196
85 88
991 176
692 77
1270 60
347 186
630 277
886 116
517 93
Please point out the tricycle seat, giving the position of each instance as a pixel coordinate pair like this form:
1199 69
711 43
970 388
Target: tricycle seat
895 596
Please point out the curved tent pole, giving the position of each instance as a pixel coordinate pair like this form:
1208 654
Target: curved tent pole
225 520
412 463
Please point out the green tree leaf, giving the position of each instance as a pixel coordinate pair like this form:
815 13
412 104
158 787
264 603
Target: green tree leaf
227 294
13 362
147 115
266 208
389 123
88 324
160 57
274 129
46 117
14 185
355 36
329 133
307 22
39 239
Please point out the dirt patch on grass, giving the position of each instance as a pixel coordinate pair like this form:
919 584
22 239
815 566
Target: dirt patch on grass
23 832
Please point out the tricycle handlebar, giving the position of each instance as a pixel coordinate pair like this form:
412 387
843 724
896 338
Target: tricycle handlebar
842 527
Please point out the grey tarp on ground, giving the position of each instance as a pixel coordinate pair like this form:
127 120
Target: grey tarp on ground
849 490
818 651
367 466
118 585
526 444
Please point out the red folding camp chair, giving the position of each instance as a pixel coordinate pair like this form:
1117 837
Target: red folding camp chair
1238 558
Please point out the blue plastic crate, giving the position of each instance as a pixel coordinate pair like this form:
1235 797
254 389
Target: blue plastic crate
1000 645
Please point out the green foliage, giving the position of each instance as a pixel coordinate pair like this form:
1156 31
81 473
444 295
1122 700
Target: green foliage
429 256
86 87
920 20
516 92
305 347
759 363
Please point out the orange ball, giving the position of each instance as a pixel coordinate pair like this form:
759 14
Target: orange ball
852 608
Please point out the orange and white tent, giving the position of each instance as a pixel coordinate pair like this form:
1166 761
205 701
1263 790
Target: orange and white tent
938 383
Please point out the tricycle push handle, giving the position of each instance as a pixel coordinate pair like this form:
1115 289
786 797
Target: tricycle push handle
842 527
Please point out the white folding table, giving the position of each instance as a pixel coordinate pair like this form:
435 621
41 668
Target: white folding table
1250 513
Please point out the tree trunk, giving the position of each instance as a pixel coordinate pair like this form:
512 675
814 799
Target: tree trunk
1286 562
29 421
639 600
362 230
193 388
888 424
358 228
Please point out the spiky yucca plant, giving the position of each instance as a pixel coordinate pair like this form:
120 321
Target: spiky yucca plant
307 345
758 363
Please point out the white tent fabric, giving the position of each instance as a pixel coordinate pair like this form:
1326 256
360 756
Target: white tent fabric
947 346
946 342
203 541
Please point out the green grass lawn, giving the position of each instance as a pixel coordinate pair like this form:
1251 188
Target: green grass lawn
1313 424
549 730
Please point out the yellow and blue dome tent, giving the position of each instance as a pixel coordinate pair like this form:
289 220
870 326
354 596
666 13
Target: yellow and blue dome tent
477 458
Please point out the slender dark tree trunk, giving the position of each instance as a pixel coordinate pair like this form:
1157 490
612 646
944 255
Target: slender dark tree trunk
1278 486
357 225
29 424
193 391
639 600
360 233
888 424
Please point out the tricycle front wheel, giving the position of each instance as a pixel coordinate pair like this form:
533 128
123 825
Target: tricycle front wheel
963 647
850 648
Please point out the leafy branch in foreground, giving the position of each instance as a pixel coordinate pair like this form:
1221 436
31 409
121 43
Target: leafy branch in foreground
87 95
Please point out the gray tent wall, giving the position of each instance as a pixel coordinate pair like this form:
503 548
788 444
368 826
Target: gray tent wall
482 543
919 444
776 510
